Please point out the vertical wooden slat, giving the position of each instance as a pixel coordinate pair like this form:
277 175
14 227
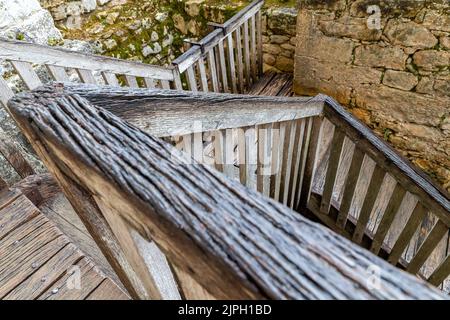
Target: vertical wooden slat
297 151
259 37
333 163
187 145
242 155
213 70
177 79
407 233
86 76
303 159
369 201
252 157
239 60
232 63
350 186
58 73
27 74
150 83
253 52
247 55
197 146
192 82
262 161
275 158
388 217
131 81
110 78
219 150
223 67
315 139
286 159
203 77
228 150
5 92
165 84
441 272
427 247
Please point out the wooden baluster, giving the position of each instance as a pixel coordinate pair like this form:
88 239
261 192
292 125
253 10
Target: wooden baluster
242 155
203 77
58 73
259 37
232 63
253 52
247 56
131 81
407 233
252 158
303 158
165 84
427 247
296 158
350 187
262 161
177 79
388 217
240 60
110 79
150 83
197 146
213 70
441 272
369 201
192 82
27 74
228 149
275 158
187 146
219 150
223 67
15 158
86 76
5 92
333 164
286 159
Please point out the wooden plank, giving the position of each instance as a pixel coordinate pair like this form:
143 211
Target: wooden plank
260 42
303 162
15 158
131 81
388 217
263 162
15 213
208 226
228 152
350 187
253 52
202 72
239 60
296 158
242 155
223 67
231 58
39 54
213 70
110 79
427 247
332 168
192 82
165 84
57 73
150 83
407 233
275 157
66 287
441 272
286 159
369 201
27 74
48 273
219 147
107 290
276 85
86 76
5 92
259 86
246 39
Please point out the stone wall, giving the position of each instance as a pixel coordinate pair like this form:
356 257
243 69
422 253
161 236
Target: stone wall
389 64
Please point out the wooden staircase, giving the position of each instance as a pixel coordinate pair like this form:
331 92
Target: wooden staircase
181 224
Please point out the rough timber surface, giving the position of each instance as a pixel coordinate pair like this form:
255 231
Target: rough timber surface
242 240
35 257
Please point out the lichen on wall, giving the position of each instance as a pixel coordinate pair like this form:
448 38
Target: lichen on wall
389 63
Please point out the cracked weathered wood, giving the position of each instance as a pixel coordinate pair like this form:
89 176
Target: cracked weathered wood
233 241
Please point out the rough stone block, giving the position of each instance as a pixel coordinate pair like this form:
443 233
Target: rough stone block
355 28
409 34
326 49
400 80
375 55
271 48
432 59
284 64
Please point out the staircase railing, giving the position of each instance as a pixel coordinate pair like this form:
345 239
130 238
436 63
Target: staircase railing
131 188
227 59
312 156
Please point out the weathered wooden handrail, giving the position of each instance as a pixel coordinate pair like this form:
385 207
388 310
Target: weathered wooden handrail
234 242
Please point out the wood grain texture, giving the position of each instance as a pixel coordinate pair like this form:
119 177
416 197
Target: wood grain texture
246 245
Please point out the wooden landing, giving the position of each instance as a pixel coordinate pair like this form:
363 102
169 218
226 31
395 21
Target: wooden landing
273 84
37 261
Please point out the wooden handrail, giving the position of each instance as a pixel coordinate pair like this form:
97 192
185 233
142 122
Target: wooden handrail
35 53
166 113
234 242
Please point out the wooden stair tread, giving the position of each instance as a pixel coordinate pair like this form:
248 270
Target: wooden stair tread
36 256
